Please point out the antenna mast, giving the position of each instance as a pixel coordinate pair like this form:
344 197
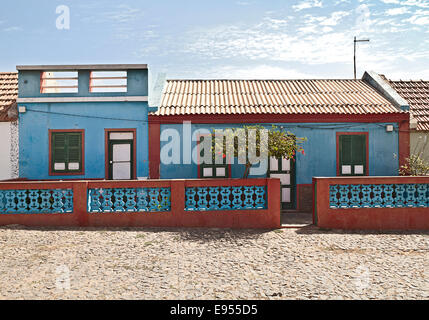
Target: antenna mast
354 56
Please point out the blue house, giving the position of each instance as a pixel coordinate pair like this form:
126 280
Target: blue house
83 122
93 122
351 129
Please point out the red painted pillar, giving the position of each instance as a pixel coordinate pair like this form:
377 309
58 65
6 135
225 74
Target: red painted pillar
404 141
178 202
274 201
154 149
314 201
80 202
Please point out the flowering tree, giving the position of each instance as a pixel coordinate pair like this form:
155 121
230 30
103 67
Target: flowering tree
252 144
414 166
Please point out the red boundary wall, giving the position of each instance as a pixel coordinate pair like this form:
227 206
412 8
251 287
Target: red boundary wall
366 218
265 219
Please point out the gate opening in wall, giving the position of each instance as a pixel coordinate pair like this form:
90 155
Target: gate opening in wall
284 169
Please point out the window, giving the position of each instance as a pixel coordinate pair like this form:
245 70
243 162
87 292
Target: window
213 170
59 82
108 81
67 152
352 154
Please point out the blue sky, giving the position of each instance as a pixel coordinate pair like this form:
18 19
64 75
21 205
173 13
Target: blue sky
223 39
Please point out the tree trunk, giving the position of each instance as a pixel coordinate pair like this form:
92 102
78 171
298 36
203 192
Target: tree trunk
247 171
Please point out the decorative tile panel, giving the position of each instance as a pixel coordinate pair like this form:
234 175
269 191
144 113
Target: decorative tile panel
129 200
225 198
34 201
379 196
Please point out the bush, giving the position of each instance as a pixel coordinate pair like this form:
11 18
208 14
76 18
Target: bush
414 166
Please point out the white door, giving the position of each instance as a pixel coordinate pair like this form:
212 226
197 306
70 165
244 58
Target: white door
284 169
121 160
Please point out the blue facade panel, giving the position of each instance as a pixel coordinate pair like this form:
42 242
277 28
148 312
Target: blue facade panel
320 157
94 118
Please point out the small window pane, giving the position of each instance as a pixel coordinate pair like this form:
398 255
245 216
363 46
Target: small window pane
121 152
122 171
284 178
358 169
285 164
286 195
121 136
59 166
208 172
74 166
346 169
274 164
220 172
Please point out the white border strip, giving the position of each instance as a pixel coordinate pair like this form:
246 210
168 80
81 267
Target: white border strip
83 99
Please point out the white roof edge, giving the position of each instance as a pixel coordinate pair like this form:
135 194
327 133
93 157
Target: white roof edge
75 67
376 81
83 99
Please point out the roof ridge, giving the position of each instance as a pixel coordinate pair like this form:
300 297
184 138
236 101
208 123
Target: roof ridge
321 79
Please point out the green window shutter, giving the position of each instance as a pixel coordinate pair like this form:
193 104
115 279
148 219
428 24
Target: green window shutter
74 147
66 152
352 150
359 150
59 151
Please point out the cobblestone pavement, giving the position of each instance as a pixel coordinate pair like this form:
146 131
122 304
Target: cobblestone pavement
302 263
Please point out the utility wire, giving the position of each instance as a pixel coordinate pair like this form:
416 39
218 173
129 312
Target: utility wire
320 126
84 116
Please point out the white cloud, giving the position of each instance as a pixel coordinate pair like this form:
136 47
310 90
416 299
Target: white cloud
417 3
397 11
408 74
390 1
123 14
335 18
228 42
10 29
307 4
261 71
420 17
363 21
243 3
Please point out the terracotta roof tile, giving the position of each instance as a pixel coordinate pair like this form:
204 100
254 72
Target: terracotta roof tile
416 93
8 93
187 97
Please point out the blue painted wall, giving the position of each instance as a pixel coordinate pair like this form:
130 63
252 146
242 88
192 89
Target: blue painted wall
93 117
320 150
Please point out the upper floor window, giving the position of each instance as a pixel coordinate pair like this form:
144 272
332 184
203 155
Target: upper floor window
59 82
352 154
108 81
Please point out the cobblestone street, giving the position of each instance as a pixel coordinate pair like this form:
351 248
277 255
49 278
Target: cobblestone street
304 263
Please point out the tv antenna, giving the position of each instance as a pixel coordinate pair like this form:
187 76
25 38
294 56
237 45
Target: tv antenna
354 57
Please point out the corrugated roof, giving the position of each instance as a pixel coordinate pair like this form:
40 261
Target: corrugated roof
417 95
8 93
188 97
